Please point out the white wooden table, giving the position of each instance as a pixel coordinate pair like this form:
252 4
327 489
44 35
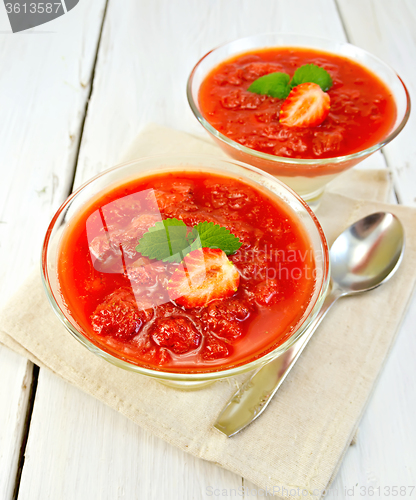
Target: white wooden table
73 94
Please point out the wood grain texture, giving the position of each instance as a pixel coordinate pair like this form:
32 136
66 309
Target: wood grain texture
44 86
387 29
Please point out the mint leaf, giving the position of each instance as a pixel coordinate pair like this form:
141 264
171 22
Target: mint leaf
214 236
273 85
314 74
166 241
170 240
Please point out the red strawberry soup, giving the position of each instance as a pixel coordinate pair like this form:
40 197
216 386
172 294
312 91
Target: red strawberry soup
361 112
186 271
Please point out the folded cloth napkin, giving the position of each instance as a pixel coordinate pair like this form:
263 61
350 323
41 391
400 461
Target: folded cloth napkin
300 440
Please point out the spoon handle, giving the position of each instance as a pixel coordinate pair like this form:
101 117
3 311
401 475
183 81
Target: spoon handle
255 394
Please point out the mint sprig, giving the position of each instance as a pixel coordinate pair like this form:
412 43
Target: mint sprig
170 240
273 85
279 84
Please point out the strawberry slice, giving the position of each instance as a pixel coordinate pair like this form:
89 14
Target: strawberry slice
306 106
204 275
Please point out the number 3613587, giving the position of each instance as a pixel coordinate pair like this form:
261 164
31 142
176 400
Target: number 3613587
33 8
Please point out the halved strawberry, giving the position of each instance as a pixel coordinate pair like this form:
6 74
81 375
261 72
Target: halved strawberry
306 106
204 275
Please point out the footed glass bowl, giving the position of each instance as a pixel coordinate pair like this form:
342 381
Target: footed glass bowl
89 195
308 177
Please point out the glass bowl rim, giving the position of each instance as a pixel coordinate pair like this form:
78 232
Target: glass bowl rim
286 161
184 376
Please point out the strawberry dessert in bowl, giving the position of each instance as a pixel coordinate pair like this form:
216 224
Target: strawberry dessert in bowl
303 109
185 269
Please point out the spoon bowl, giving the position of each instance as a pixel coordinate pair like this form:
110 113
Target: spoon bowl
367 253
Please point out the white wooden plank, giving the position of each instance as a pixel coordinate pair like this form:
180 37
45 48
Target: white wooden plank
16 379
79 448
387 29
44 86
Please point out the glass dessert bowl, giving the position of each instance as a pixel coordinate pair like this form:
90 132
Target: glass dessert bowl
185 269
369 106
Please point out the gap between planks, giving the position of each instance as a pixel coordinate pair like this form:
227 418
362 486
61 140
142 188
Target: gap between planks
26 427
87 102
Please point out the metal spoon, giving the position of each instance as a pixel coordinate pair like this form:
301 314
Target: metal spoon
363 257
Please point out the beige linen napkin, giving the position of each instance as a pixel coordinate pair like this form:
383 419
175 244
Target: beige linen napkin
300 440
